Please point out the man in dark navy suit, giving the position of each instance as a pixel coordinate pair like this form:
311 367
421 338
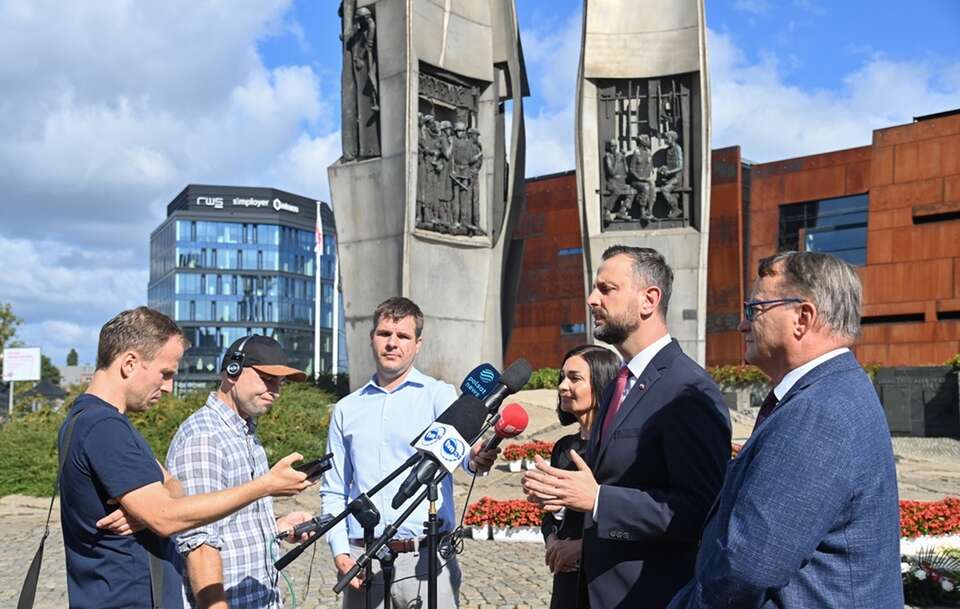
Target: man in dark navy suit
808 514
657 450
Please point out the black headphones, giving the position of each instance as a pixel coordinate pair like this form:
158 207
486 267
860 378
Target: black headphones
235 367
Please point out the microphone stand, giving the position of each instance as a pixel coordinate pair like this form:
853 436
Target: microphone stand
353 508
431 529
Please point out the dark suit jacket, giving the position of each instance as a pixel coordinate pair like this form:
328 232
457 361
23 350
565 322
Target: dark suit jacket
660 468
808 515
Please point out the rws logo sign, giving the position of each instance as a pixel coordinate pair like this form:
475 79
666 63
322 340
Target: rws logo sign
248 202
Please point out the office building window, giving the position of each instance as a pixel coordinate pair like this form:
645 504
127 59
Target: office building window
570 251
835 226
573 329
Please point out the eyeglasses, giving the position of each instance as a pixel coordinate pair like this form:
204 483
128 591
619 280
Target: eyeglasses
751 307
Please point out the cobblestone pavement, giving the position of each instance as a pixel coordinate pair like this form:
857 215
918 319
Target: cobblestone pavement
497 575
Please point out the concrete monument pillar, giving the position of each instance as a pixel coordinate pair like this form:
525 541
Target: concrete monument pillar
424 195
643 145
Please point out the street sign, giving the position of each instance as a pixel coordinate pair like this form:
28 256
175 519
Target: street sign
21 364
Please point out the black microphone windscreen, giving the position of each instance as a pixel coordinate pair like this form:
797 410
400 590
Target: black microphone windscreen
467 415
516 375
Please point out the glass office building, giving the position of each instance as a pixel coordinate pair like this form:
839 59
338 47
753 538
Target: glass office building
232 261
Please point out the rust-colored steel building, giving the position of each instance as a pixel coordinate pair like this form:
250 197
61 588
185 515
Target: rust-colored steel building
892 208
551 312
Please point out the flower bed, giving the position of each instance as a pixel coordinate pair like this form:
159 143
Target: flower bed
930 551
514 452
929 517
525 452
514 519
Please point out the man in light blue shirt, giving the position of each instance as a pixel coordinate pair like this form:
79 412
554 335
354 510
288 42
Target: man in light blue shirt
370 434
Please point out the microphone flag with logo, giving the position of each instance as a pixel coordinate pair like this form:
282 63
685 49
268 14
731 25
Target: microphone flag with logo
444 444
481 382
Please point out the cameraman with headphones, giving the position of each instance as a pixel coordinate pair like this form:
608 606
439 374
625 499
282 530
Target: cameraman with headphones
229 563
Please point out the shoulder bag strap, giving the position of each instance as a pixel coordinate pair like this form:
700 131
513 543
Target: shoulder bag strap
28 592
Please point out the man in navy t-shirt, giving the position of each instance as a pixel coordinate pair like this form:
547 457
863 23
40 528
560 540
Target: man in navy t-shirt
108 463
107 458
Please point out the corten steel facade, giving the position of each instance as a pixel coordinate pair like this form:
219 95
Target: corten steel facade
892 208
910 175
550 312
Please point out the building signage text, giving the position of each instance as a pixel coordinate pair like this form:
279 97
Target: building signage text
276 204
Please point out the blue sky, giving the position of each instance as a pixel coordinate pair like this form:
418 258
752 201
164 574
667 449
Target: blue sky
110 108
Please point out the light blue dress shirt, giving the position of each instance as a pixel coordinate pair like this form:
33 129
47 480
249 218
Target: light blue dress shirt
370 434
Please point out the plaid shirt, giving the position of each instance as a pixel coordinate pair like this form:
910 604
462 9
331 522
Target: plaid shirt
213 450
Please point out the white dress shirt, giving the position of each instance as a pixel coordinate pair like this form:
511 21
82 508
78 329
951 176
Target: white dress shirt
636 365
790 379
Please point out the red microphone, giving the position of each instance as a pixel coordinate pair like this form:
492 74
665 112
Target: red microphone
512 422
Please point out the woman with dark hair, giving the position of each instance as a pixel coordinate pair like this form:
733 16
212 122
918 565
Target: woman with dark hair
586 370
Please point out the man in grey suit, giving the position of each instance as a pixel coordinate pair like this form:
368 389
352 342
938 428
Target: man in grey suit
657 449
808 513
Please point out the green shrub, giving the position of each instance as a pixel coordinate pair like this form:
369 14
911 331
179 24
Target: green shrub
297 422
738 377
544 378
28 455
872 368
953 361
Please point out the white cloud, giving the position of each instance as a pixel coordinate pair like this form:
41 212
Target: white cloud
109 110
753 7
303 167
754 104
552 54
56 338
756 107
64 294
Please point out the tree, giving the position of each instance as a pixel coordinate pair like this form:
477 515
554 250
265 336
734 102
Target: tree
8 324
8 328
72 358
48 371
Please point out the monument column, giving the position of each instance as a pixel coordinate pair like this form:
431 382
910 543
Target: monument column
424 197
643 145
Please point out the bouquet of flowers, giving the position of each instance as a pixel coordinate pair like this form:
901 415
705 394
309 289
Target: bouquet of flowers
932 577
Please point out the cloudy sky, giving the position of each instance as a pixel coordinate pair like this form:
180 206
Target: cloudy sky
110 108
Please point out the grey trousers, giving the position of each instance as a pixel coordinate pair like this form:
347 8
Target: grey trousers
409 589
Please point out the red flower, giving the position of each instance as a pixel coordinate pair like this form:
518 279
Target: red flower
929 517
510 513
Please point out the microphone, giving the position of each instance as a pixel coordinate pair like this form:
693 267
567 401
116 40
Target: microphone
481 381
511 381
512 422
317 522
443 444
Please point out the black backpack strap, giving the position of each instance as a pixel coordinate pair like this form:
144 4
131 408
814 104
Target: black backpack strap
28 592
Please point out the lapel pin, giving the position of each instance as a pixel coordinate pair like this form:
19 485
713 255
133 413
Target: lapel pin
641 386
